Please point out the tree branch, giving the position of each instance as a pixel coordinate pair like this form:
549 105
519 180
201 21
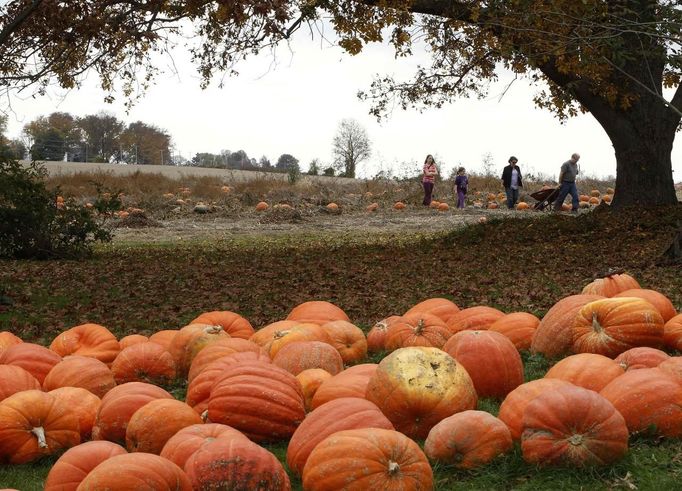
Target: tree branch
18 20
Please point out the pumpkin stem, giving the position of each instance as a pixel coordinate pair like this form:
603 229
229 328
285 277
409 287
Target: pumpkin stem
595 323
393 468
204 416
39 432
575 440
420 327
213 329
279 334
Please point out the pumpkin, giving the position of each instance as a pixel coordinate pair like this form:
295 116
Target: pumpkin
613 325
219 349
553 337
352 382
595 193
145 362
513 406
35 359
418 387
139 471
233 324
262 206
572 426
434 204
188 440
317 312
493 206
310 381
649 398
346 413
332 207
119 405
490 359
153 424
441 307
300 333
587 370
376 337
642 357
15 379
199 389
661 302
584 204
34 424
443 207
131 340
417 329
263 337
584 198
610 191
522 205
348 339
607 198
611 285
565 207
474 318
468 439
189 341
372 207
593 201
8 339
382 459
491 197
77 462
81 371
261 400
91 340
83 403
399 205
296 357
672 333
672 367
236 464
518 327
164 338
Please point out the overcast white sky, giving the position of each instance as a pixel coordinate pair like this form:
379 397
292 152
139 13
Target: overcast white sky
294 102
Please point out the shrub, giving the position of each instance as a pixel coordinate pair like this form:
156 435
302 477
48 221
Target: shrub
34 225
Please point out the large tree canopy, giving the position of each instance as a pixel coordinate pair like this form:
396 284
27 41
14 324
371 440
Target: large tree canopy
613 58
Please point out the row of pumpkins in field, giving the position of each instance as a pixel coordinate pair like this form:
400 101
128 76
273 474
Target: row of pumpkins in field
349 424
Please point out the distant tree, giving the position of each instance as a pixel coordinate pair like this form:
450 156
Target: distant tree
16 149
488 164
238 160
101 133
264 163
329 172
145 144
314 167
286 161
55 136
350 146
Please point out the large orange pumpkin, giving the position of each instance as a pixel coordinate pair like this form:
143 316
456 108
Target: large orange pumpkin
346 413
672 333
417 329
15 379
299 333
35 359
34 424
219 349
478 318
418 387
513 406
553 337
518 327
263 337
233 324
139 471
382 459
189 341
642 357
235 464
613 325
672 367
199 389
77 462
352 382
131 340
261 400
348 339
587 370
91 340
156 422
610 285
164 338
83 403
296 357
8 339
441 307
188 440
572 426
376 337
648 398
81 371
468 439
317 312
490 359
119 405
662 303
144 362
310 381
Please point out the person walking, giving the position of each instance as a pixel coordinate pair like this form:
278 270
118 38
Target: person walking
461 184
511 180
430 173
569 171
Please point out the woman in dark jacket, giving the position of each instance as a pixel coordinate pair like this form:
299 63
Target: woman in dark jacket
511 180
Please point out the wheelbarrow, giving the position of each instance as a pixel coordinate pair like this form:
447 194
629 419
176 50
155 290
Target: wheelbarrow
545 198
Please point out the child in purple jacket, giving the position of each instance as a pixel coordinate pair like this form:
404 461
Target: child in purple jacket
461 183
